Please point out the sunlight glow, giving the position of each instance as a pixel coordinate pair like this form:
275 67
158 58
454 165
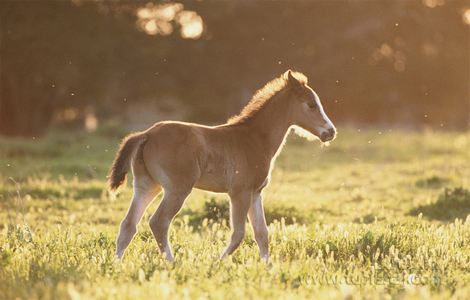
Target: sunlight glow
466 16
433 3
161 19
151 27
386 52
191 24
164 12
91 121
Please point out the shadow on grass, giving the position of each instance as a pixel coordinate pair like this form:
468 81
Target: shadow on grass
214 210
452 203
432 182
368 219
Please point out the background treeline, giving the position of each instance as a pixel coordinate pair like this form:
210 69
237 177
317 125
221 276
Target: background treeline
404 63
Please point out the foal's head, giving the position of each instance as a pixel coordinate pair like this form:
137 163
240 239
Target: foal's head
307 111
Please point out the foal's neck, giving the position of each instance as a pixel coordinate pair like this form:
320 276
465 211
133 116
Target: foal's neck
271 123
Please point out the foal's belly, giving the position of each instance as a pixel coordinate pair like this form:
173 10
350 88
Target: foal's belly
212 182
215 167
220 179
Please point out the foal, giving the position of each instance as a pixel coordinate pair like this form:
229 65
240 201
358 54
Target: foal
234 158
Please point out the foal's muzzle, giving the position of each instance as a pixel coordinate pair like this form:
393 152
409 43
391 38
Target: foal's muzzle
328 135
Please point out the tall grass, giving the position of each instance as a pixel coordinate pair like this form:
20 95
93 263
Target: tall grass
367 217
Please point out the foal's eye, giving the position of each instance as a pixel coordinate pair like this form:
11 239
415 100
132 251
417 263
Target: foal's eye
311 104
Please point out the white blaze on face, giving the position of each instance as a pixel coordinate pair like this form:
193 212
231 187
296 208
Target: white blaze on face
328 125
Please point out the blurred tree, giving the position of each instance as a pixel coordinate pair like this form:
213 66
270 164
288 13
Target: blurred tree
383 62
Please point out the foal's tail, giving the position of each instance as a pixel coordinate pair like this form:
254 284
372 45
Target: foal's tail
122 162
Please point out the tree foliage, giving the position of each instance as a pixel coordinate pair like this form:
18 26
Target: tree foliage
380 62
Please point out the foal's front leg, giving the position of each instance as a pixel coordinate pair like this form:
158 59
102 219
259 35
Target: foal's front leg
239 205
260 229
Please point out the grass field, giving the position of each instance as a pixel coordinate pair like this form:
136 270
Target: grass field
378 214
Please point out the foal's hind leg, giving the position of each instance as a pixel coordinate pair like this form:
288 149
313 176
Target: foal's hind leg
145 189
160 221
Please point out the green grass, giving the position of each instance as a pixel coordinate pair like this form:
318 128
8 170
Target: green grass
378 214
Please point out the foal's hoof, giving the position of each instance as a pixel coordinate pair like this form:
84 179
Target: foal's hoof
118 255
117 259
223 256
168 258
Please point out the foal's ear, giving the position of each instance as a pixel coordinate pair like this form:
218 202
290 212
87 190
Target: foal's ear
291 79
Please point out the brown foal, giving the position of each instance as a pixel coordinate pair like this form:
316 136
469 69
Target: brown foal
234 158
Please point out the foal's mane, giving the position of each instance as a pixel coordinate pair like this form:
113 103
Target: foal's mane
264 95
